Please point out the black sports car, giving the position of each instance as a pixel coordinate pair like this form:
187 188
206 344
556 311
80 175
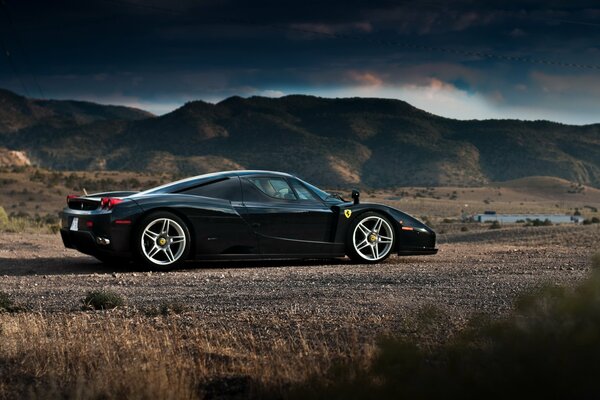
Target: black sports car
238 215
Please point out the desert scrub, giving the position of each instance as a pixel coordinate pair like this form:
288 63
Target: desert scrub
166 308
102 300
538 222
548 347
24 223
495 225
7 304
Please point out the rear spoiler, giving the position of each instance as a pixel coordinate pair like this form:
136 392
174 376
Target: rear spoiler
111 194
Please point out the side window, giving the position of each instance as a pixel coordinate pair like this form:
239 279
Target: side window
276 188
302 191
227 189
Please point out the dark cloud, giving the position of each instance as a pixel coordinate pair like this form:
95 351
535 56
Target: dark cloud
449 57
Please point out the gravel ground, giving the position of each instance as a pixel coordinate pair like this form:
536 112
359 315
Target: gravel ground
474 272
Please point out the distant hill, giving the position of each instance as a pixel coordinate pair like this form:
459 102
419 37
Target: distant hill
350 141
18 112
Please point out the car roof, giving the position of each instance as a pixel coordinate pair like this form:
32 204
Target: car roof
199 179
241 172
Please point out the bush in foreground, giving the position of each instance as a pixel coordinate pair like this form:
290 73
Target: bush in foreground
7 304
102 300
549 347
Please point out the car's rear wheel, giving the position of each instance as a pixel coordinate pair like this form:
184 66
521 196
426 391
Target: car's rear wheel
162 241
371 238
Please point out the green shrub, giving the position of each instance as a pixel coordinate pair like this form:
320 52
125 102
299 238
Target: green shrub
593 220
464 229
3 217
495 225
102 300
538 222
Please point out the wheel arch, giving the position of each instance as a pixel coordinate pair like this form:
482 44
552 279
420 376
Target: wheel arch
184 218
384 212
369 212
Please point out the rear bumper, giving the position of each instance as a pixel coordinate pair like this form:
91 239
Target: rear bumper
85 242
97 232
82 241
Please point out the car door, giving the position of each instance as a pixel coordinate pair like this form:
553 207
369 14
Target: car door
220 229
287 218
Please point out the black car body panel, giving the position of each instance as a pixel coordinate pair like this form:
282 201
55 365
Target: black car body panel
229 216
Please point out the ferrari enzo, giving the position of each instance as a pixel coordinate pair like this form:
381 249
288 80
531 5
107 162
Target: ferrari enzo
238 215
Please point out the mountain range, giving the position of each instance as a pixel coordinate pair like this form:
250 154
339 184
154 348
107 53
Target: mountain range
333 142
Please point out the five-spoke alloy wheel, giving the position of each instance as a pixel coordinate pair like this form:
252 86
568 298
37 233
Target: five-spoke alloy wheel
163 240
371 238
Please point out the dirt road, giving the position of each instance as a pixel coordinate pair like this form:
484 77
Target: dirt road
473 272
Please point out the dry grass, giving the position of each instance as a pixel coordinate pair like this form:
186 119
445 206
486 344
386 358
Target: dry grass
111 355
23 224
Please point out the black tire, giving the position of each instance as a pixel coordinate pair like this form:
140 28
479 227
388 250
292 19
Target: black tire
160 261
379 248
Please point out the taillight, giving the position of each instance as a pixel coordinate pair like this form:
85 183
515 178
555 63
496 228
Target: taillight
71 196
109 202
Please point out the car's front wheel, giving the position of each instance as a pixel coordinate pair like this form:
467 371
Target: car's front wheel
162 241
371 238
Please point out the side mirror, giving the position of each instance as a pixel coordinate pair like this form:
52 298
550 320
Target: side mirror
355 195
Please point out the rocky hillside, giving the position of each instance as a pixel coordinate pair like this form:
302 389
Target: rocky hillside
358 141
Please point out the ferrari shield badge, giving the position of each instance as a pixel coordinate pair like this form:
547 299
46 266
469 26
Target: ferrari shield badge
347 213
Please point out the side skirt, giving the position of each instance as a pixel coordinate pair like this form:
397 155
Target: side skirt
212 257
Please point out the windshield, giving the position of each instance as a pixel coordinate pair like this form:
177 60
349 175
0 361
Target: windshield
323 195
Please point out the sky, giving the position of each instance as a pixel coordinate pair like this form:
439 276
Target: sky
460 59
